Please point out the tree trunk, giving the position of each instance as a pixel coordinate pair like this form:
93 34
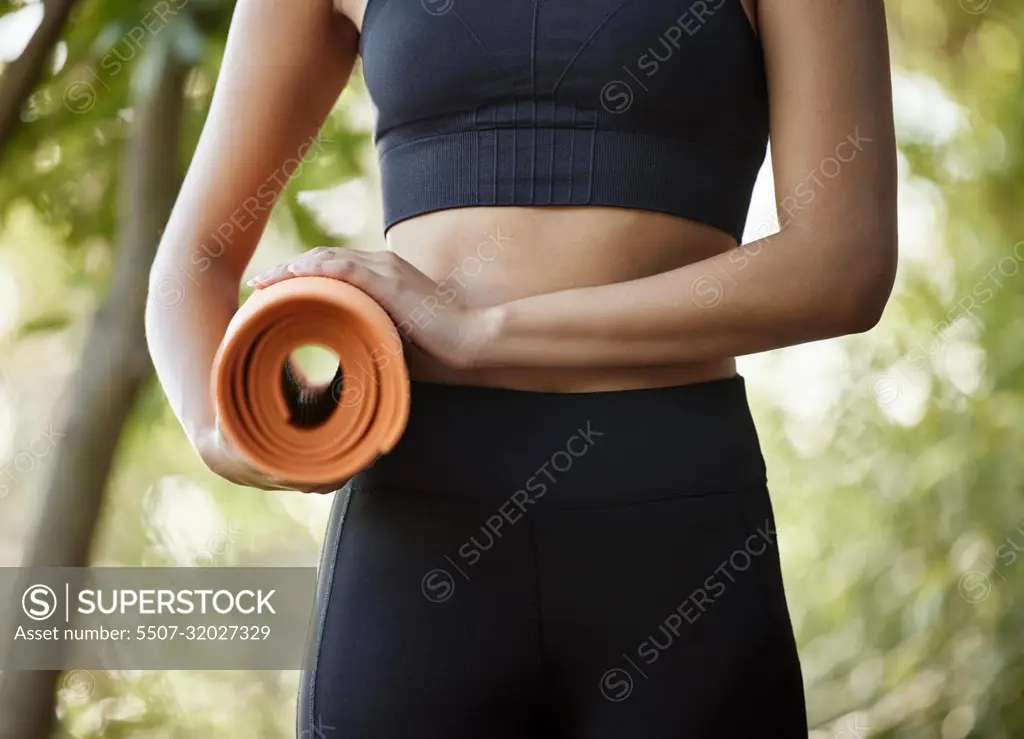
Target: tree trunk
21 76
114 365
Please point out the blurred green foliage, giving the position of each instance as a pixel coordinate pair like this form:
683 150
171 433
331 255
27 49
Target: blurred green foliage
897 488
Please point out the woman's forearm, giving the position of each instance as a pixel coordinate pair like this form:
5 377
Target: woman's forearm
186 316
263 124
776 292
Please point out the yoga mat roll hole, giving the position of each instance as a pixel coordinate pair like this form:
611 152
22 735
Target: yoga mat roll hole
312 395
301 431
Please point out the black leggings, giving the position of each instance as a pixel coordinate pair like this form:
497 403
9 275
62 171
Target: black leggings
563 566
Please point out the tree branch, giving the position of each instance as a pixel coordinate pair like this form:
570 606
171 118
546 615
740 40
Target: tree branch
24 73
114 366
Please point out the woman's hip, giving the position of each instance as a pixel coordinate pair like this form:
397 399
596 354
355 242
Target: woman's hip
554 450
531 560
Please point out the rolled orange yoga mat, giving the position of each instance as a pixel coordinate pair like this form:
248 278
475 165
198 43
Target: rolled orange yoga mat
302 433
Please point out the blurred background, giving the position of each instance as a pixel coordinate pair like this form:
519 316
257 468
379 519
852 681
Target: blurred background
896 458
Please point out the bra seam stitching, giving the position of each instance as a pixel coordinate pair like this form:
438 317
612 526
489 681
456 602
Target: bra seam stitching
595 130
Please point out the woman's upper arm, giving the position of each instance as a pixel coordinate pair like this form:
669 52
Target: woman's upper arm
832 139
285 64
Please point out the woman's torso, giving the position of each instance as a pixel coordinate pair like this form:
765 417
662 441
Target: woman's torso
491 255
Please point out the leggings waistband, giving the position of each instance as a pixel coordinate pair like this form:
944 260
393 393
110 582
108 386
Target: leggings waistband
574 449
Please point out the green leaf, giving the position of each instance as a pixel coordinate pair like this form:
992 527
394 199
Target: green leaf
47 322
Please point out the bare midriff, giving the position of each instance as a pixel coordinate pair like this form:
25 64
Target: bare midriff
493 255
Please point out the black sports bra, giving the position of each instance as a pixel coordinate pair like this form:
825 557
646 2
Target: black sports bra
656 105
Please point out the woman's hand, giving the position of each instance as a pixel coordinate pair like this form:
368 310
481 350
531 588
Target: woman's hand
433 317
224 460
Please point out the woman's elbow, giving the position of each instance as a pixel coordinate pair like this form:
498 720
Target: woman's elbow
165 292
160 298
178 277
863 289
